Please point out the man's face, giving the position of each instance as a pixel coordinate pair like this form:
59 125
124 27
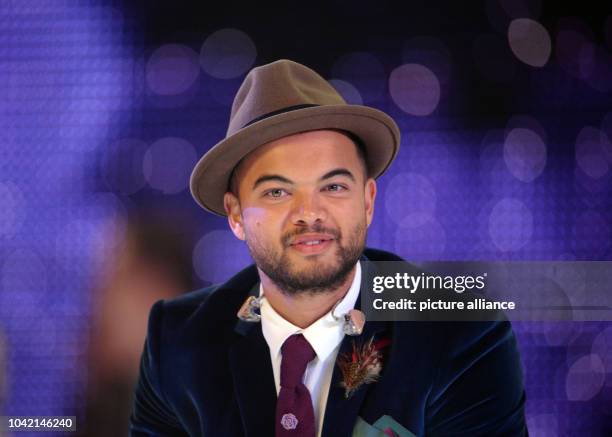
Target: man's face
304 207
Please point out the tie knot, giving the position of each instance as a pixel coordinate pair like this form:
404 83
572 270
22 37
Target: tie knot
297 353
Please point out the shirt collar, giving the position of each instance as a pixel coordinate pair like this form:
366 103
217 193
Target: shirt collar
324 335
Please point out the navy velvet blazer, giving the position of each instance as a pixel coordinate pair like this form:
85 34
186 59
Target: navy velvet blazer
205 373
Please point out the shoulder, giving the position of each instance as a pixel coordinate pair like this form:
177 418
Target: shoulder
372 254
478 383
206 310
465 343
186 304
453 348
470 375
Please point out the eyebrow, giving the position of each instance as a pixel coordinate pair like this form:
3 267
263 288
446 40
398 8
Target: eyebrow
278 178
338 172
271 177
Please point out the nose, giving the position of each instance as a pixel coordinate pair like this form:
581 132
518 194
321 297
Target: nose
307 210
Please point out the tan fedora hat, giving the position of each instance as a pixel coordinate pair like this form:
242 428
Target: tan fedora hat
279 99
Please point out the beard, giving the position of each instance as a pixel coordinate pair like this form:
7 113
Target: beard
318 277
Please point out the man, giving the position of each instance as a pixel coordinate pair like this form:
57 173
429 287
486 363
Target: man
295 177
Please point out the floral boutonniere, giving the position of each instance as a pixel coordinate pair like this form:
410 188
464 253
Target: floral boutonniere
362 365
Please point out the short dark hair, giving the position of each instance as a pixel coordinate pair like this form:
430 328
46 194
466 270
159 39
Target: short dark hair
232 185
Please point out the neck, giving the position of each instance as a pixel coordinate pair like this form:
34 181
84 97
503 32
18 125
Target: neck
305 308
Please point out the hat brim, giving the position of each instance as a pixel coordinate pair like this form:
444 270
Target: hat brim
379 133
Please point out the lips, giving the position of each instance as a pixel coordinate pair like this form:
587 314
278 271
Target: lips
311 244
310 239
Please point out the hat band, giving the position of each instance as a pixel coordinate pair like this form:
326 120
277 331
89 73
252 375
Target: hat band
279 111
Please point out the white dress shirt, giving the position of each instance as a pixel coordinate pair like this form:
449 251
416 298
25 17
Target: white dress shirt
324 335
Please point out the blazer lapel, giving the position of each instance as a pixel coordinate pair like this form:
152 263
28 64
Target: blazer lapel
253 378
341 413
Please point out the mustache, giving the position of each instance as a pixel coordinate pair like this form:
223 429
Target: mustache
286 237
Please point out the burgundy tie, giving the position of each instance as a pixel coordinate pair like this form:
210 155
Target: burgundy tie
294 412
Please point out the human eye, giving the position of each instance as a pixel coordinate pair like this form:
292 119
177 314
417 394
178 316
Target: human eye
275 193
335 188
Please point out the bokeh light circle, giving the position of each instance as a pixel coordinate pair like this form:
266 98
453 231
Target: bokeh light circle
411 197
168 164
602 346
510 225
172 69
526 122
415 89
524 154
227 53
348 91
529 41
585 378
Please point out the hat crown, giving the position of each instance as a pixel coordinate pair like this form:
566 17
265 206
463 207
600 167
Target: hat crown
273 87
281 99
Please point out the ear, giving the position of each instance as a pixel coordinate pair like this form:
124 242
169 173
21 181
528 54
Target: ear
231 204
370 197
